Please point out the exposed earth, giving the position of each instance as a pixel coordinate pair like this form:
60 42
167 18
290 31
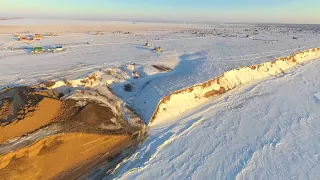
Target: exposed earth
81 136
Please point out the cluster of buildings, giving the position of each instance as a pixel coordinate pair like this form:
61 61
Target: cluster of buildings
33 37
53 49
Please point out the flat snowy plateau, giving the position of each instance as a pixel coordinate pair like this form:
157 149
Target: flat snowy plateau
265 129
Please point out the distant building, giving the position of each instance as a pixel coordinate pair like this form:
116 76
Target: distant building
158 49
37 37
37 50
23 38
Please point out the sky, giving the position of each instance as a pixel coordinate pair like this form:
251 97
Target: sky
258 11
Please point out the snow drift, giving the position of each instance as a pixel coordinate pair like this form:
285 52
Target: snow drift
186 99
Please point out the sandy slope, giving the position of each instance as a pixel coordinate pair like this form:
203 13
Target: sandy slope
54 155
44 113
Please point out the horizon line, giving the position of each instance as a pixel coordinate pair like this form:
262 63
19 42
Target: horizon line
161 21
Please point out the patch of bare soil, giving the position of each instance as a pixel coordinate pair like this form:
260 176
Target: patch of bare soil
23 111
63 155
6 110
16 104
49 83
93 118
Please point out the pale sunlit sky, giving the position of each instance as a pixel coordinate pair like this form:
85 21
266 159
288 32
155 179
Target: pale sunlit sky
263 11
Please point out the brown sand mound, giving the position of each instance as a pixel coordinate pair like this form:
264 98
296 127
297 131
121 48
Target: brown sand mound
56 154
92 118
93 115
16 103
42 114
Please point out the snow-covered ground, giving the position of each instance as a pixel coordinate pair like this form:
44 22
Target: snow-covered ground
267 130
196 55
263 130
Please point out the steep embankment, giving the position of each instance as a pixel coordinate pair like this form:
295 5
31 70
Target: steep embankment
186 99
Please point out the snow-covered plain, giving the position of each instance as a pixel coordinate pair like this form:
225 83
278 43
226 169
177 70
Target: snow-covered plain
264 130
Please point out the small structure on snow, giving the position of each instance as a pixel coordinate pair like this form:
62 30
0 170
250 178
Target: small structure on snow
52 34
99 33
37 37
37 50
55 49
23 38
158 49
59 48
